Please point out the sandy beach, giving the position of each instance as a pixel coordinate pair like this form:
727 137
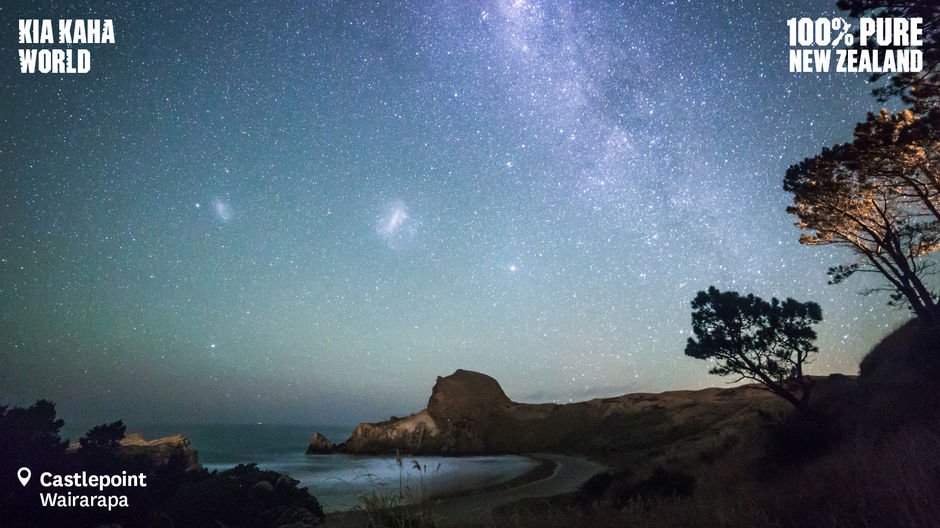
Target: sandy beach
554 475
566 474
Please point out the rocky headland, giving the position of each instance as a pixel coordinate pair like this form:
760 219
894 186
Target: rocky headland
162 450
468 413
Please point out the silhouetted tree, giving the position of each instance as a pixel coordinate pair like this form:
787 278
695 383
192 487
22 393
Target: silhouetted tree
31 434
767 342
175 495
105 436
919 89
28 438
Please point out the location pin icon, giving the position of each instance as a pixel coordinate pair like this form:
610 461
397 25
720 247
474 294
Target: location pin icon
23 474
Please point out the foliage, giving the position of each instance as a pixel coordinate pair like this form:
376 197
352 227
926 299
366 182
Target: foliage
878 196
29 437
174 495
104 436
402 509
36 426
241 496
919 89
902 152
768 342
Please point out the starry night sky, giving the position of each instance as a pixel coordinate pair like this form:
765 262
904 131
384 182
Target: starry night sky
305 212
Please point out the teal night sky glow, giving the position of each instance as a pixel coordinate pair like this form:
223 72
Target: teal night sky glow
305 212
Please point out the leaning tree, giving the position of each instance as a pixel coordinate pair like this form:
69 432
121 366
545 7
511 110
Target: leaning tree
869 197
879 196
767 342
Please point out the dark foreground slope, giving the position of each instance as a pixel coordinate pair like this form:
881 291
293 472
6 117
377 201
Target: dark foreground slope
867 456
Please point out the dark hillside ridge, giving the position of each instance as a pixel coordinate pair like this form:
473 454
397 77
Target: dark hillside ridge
468 413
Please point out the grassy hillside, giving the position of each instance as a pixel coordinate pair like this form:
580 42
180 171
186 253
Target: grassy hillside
868 457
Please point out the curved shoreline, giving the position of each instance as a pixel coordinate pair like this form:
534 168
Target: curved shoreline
544 470
568 474
554 475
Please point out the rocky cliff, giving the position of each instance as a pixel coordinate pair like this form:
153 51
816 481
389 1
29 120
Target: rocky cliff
468 413
162 450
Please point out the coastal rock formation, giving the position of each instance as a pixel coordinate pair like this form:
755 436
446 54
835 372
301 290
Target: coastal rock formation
467 396
462 406
319 444
468 413
162 450
419 432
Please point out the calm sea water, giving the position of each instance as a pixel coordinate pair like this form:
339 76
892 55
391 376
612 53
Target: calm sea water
337 481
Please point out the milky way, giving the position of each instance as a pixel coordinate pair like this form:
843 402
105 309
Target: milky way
305 212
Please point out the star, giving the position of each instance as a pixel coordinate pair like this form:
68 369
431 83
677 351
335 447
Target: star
377 200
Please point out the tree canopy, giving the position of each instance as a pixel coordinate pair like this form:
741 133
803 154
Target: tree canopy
767 342
879 196
104 436
921 90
